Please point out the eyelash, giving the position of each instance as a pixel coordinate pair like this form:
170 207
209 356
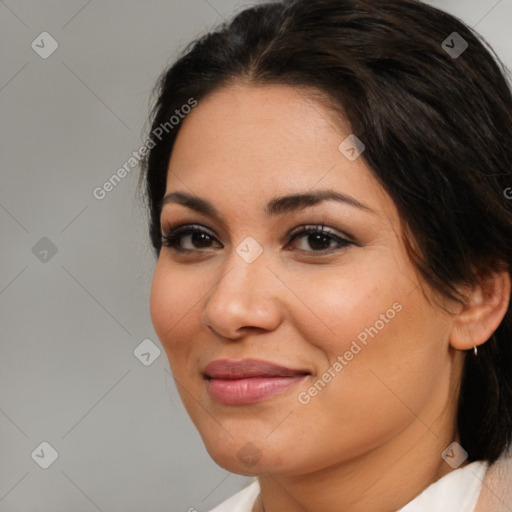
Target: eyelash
173 236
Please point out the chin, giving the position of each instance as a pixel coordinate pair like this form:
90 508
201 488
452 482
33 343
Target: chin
243 457
234 460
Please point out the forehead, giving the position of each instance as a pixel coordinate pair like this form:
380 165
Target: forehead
261 141
258 124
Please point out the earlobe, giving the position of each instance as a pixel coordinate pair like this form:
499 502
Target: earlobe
486 305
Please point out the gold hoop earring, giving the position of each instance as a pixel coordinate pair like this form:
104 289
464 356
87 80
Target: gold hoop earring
475 350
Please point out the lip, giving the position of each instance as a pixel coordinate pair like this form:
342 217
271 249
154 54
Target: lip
247 381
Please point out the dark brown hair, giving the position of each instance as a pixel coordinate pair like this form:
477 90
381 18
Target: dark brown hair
438 134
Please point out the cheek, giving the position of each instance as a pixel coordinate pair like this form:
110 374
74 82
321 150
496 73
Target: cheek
366 324
343 303
390 370
377 353
172 302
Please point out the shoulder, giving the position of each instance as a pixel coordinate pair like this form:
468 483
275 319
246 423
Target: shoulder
242 501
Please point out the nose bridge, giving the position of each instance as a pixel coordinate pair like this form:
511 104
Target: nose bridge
243 276
242 296
245 267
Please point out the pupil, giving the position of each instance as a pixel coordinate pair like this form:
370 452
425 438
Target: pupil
318 238
200 238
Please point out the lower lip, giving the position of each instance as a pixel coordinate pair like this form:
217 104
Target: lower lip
251 390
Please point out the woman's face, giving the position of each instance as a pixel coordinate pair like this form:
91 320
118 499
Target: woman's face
371 369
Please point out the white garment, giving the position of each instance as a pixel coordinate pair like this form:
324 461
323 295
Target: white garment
457 491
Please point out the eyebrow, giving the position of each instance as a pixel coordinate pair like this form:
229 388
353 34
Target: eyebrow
277 206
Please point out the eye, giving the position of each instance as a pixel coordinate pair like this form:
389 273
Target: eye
197 237
320 238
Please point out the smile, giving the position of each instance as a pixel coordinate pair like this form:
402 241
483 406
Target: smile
242 382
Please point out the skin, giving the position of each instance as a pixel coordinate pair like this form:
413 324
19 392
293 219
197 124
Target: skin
372 438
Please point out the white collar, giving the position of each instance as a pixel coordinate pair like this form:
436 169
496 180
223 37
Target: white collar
458 490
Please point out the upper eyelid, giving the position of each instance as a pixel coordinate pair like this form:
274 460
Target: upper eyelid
180 229
321 227
187 226
298 229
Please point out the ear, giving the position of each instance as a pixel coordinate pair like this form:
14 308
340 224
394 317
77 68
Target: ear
486 305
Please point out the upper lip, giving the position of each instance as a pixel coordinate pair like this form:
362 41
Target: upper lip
246 368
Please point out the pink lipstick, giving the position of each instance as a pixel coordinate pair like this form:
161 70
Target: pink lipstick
247 381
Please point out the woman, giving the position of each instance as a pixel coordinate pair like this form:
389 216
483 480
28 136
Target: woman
326 199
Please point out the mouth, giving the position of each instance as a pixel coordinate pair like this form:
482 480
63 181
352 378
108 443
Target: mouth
247 381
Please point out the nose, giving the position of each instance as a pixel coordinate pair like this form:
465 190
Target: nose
245 297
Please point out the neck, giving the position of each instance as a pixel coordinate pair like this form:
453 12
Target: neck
381 480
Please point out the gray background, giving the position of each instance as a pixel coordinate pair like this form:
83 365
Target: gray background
70 322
